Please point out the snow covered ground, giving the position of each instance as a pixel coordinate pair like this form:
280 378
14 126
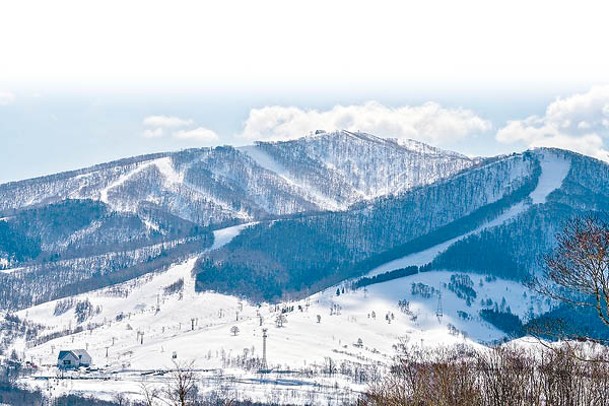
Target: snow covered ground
143 326
554 170
225 235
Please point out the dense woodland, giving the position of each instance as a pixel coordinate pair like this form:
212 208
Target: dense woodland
286 256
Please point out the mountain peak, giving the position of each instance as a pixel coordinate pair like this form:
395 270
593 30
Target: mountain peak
346 135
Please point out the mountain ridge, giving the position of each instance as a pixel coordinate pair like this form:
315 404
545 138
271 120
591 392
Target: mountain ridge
520 189
96 182
334 200
116 220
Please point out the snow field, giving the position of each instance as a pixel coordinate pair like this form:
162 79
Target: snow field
302 343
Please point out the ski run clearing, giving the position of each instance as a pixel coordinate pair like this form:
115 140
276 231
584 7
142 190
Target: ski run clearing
554 169
267 162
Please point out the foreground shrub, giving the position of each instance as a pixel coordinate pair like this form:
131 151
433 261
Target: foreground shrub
545 376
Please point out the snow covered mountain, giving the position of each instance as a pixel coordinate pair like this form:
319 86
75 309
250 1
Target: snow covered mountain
211 186
340 244
75 231
526 195
322 209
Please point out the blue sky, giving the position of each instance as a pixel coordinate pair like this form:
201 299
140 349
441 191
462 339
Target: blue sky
82 84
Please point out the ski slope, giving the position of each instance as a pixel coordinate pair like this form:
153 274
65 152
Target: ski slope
554 169
225 235
265 161
164 165
426 256
103 194
197 327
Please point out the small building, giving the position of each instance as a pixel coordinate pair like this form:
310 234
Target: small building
70 359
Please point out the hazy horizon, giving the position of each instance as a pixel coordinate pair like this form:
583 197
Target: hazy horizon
85 84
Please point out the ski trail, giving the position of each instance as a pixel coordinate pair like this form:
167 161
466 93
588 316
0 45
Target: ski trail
265 161
103 194
426 256
225 235
169 173
554 170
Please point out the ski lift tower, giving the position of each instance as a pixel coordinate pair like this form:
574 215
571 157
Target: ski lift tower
439 311
264 337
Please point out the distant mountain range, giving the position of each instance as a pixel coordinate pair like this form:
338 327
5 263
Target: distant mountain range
323 209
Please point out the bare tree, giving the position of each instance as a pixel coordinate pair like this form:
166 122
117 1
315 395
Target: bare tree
150 395
181 390
576 273
280 320
497 377
120 399
580 266
234 330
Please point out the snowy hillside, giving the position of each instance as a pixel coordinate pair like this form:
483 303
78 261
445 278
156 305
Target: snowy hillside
76 231
289 254
187 257
554 170
499 217
348 167
354 330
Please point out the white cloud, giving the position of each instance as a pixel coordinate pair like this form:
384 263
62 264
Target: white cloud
197 134
428 122
153 133
6 98
579 122
166 121
160 126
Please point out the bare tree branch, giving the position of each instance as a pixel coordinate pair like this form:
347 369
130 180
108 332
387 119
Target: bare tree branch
579 266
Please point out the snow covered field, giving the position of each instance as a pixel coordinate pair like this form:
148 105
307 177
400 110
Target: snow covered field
142 327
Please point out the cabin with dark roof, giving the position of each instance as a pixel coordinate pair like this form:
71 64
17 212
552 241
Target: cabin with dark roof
70 359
